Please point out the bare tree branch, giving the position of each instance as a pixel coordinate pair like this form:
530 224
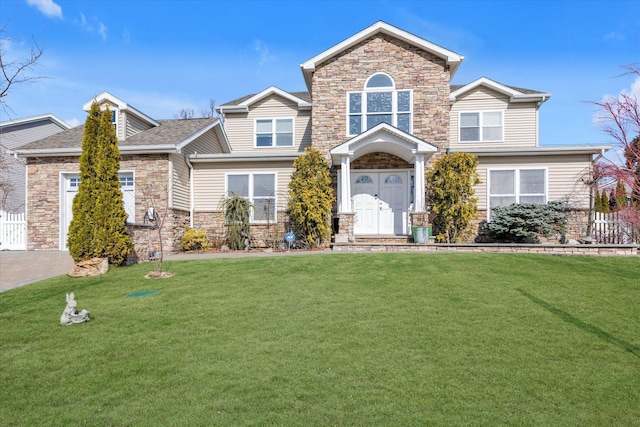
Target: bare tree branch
15 72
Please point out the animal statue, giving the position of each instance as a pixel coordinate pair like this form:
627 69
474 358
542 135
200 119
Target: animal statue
70 315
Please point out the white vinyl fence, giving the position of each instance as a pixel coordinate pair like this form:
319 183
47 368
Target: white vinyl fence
13 231
608 228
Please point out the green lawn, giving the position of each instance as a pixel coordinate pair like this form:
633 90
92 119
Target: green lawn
338 339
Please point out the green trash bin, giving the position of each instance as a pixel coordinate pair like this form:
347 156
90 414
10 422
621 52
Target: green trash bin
420 235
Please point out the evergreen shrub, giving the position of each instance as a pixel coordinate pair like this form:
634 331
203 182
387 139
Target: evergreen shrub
526 222
194 240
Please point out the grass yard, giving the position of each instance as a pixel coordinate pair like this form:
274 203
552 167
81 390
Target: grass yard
337 339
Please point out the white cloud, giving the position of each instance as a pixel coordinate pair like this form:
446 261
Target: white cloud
635 87
614 36
265 56
48 7
92 27
73 122
102 29
126 36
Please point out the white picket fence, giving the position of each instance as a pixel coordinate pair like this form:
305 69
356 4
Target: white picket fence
608 228
13 231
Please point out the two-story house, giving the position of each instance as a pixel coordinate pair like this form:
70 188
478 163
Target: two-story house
379 105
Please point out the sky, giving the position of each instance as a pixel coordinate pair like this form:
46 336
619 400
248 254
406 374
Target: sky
164 56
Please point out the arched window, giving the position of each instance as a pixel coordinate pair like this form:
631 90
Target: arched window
379 102
364 179
393 179
379 80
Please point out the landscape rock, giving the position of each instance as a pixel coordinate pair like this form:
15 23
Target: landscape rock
90 267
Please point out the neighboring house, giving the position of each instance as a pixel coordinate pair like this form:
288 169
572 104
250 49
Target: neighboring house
13 134
380 106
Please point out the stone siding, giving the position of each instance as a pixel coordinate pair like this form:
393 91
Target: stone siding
380 160
574 250
409 66
151 174
262 235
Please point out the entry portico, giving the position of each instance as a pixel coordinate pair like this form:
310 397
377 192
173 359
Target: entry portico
378 201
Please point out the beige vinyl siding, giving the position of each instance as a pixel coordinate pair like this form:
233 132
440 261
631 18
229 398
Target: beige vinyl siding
519 119
208 143
240 127
179 182
133 124
564 174
209 181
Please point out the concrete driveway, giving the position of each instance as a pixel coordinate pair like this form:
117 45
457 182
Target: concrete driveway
19 268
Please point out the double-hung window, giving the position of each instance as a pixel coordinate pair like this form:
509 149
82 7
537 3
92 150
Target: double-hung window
259 189
274 132
379 102
508 186
481 126
114 120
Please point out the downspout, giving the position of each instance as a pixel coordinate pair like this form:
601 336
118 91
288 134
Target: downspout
191 192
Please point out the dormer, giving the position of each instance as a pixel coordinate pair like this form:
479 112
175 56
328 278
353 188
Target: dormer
126 119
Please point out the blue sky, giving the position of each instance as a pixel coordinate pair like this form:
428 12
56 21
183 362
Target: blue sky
163 56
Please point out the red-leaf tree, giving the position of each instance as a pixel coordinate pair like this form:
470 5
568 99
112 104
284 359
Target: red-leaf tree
620 120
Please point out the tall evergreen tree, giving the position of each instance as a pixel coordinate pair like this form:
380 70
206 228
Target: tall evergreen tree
451 181
311 197
81 229
98 227
621 196
606 208
597 203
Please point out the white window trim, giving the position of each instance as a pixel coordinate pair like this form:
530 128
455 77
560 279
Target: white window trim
516 177
273 132
394 104
480 124
252 220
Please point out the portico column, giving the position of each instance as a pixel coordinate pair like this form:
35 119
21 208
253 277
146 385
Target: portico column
345 184
419 205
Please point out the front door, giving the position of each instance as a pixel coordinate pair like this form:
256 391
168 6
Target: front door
380 202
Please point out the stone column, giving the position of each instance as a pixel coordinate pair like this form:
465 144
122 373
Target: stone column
345 227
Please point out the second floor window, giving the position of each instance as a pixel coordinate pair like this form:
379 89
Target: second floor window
274 133
481 126
379 102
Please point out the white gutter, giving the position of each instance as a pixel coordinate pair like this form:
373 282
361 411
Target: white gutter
191 192
221 158
131 149
543 151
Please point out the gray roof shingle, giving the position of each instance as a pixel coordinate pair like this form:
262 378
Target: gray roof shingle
169 132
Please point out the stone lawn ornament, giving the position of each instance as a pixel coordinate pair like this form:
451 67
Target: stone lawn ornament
70 315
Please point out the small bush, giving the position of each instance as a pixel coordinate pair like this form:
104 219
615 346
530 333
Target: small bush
525 222
194 240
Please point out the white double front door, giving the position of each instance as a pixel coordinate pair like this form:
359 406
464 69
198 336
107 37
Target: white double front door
380 202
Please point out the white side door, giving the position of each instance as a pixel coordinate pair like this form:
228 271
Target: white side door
69 184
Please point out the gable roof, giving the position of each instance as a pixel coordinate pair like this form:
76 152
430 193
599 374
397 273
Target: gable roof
452 59
386 138
170 136
303 99
516 94
34 119
123 106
